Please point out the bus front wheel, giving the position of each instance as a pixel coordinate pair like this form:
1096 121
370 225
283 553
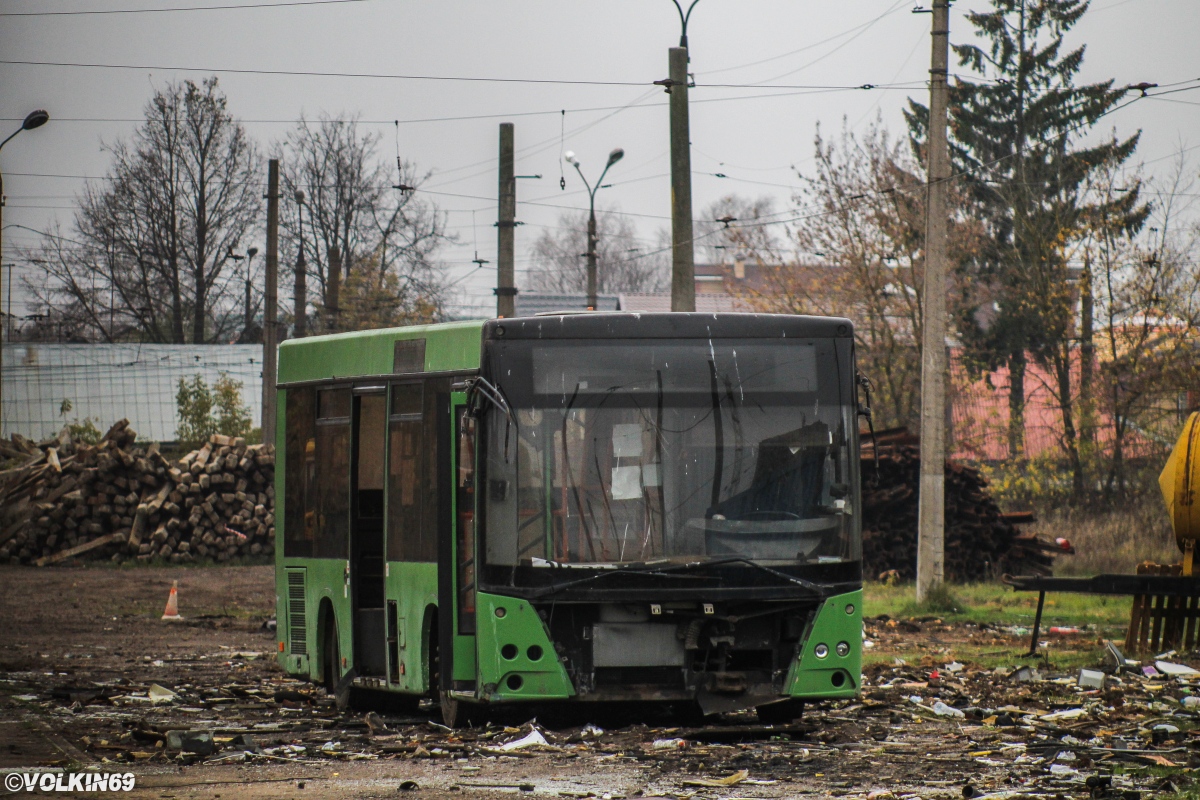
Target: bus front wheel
781 712
452 711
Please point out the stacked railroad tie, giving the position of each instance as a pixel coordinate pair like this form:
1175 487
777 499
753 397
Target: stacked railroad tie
981 542
117 499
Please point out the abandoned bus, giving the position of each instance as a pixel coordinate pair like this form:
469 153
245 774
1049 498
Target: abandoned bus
577 507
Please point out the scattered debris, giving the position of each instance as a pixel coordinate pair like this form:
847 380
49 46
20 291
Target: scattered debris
159 694
731 780
976 732
531 739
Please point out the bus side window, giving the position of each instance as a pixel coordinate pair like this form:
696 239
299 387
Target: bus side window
372 424
407 462
299 517
332 487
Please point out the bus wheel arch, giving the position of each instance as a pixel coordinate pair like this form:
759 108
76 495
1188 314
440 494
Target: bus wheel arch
329 655
429 649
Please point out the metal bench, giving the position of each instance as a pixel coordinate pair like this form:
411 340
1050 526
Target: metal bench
1166 605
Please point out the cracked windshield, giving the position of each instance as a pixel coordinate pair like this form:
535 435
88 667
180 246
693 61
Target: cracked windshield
662 449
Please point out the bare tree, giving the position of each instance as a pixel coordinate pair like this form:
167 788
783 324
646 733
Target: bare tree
353 203
718 241
1147 296
859 253
151 241
625 262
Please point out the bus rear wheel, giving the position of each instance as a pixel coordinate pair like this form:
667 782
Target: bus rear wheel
455 713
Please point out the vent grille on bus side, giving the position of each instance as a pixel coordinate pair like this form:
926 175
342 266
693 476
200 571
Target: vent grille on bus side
297 618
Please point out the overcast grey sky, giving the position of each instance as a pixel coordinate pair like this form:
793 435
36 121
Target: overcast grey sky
755 135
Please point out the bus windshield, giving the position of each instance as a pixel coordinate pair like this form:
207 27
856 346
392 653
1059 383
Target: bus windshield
619 452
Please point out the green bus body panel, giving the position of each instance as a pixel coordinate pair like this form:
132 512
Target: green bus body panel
520 626
812 677
448 346
324 580
414 588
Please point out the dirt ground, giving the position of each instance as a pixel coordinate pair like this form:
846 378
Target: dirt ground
85 660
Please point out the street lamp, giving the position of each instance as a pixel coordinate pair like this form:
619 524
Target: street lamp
613 157
684 16
300 296
249 259
35 119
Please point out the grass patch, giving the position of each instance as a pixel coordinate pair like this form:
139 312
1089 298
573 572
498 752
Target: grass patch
993 604
997 604
1064 656
941 600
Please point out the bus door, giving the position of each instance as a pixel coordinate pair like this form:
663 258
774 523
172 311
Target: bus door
457 596
366 529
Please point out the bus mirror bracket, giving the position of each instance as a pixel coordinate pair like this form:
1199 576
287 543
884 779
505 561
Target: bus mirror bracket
480 389
865 411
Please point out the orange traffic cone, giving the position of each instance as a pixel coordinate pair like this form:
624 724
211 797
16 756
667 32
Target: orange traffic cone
172 610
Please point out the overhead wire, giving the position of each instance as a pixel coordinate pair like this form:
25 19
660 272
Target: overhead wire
413 77
801 49
233 7
863 29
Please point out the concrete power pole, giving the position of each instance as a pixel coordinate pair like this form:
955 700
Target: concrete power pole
300 288
506 290
333 293
270 303
931 517
683 268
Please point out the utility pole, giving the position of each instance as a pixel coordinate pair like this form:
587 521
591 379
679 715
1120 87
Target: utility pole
270 303
335 282
250 254
1087 353
506 290
300 290
931 516
593 290
683 268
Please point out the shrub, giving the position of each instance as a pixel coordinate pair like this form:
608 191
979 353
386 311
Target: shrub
204 411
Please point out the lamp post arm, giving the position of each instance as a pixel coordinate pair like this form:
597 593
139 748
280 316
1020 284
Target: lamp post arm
683 20
10 136
600 180
586 185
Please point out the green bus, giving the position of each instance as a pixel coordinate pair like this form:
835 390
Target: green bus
587 507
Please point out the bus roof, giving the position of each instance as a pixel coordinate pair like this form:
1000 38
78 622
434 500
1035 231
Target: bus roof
668 325
456 346
448 346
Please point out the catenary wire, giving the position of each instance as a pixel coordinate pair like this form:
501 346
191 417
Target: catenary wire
237 7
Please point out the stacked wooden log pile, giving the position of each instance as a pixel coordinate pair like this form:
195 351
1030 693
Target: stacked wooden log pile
981 542
116 499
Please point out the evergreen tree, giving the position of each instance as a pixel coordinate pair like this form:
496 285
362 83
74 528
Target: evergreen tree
1015 138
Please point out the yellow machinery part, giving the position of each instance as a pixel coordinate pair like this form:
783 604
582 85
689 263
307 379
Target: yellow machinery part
1180 485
